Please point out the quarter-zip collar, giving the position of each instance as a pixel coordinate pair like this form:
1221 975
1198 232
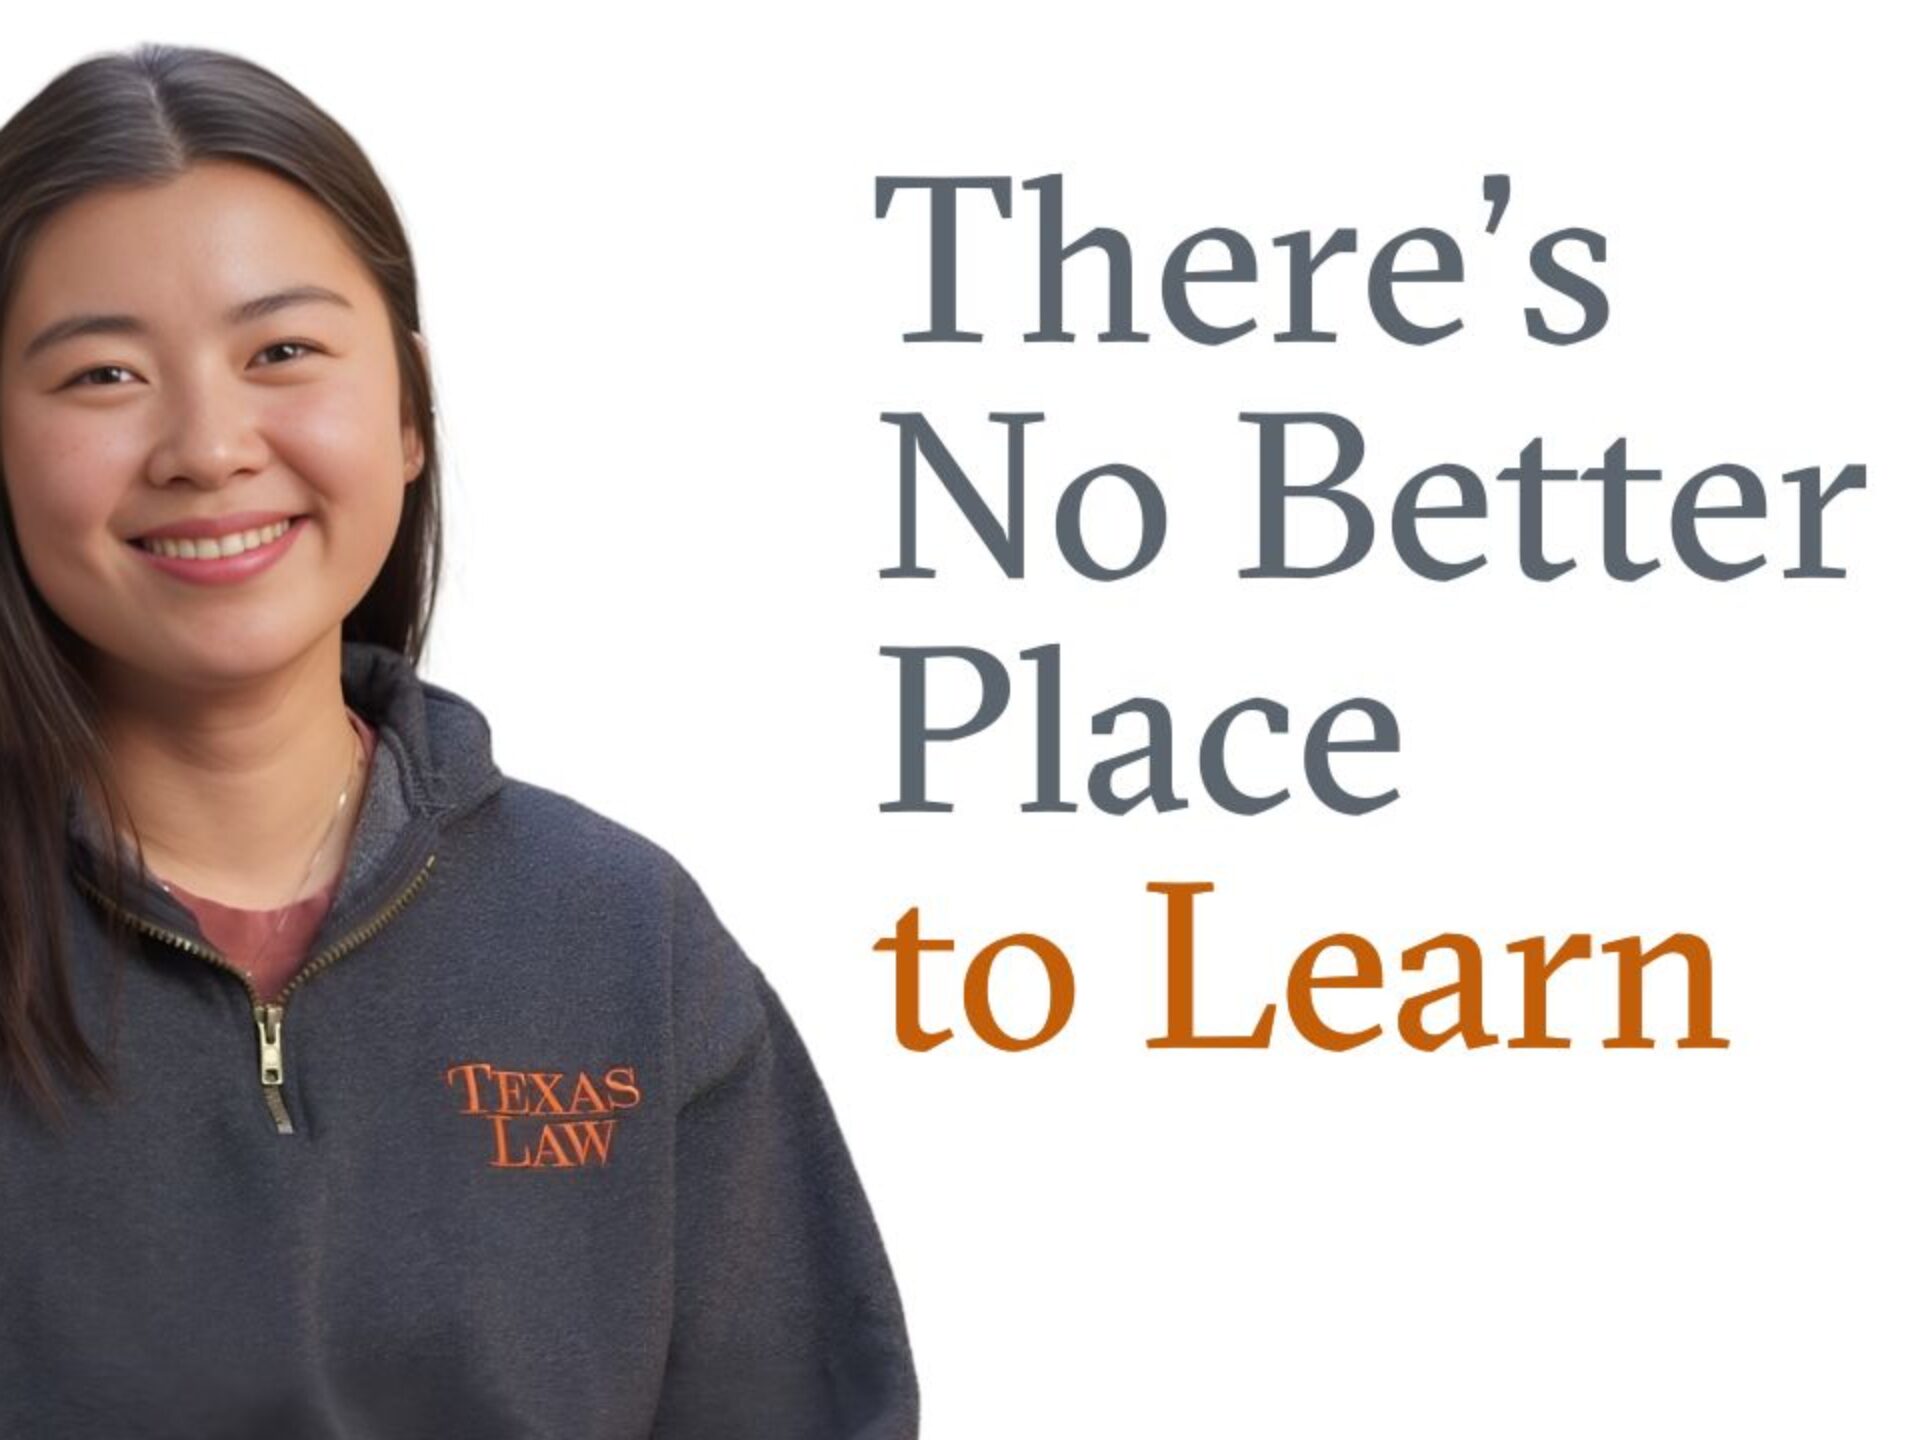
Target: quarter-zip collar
433 760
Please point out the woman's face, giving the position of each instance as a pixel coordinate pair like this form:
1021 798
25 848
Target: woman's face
204 350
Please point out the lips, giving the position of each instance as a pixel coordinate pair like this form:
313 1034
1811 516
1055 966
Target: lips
219 559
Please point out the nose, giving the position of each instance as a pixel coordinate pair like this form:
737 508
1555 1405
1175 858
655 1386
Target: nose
210 434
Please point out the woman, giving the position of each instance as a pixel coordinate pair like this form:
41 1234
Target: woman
352 1087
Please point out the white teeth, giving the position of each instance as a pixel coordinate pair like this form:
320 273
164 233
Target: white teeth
212 548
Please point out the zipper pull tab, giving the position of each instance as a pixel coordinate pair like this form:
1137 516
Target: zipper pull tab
266 1019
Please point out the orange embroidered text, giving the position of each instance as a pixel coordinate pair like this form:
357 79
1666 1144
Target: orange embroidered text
513 1102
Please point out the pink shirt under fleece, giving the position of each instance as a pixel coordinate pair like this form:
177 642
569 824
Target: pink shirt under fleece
247 937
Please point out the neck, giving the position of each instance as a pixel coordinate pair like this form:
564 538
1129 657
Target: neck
231 787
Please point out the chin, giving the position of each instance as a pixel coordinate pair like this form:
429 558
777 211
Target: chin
230 655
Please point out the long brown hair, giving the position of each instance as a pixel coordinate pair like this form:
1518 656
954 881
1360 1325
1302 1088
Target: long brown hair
143 117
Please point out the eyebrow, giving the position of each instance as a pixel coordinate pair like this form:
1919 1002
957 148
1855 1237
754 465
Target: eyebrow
75 326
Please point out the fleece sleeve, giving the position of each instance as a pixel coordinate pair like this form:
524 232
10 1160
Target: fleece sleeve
787 1324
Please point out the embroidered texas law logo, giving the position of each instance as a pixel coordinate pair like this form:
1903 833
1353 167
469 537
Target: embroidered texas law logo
512 1101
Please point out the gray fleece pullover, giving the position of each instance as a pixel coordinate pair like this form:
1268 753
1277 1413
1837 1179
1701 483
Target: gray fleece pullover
531 1150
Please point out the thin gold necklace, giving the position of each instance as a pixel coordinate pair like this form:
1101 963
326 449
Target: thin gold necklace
333 821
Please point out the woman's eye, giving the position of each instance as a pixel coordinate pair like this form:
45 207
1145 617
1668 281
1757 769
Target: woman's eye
281 346
90 377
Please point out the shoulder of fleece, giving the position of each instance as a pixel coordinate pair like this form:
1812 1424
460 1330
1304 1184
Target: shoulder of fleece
573 845
625 893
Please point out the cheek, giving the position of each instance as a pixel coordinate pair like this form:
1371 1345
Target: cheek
65 473
344 439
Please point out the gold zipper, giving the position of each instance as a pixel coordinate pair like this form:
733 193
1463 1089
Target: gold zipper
269 1019
366 932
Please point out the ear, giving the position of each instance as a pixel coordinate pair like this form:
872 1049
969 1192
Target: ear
413 446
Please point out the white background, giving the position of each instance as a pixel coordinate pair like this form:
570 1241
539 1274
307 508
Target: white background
664 321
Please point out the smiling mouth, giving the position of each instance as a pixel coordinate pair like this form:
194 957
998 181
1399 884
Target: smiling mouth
216 547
